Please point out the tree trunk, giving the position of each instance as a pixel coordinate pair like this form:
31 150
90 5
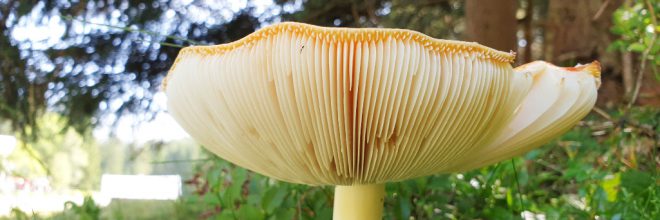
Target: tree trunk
529 38
492 23
578 32
575 31
628 78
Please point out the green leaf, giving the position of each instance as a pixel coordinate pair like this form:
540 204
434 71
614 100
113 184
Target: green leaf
421 184
509 198
273 198
286 213
214 177
233 193
533 154
637 47
439 182
239 175
404 206
250 212
616 46
254 199
210 198
323 214
499 213
636 182
611 186
227 214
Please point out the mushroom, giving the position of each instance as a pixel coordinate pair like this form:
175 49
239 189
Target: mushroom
358 108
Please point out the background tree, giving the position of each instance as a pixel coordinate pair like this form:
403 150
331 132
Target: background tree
68 158
91 70
492 23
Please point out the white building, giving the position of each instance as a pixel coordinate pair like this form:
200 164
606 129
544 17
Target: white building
157 187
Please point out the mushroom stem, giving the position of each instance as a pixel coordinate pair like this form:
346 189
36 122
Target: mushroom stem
364 202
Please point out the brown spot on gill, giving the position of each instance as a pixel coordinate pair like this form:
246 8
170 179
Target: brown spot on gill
394 137
253 131
333 166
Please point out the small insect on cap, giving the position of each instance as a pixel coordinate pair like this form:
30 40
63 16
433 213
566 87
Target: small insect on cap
343 106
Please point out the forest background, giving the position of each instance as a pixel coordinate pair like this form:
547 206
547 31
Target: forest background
80 92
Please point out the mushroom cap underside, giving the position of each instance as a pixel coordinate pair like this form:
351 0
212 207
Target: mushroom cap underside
341 106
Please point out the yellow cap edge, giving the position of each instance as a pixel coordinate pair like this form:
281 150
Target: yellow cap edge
335 34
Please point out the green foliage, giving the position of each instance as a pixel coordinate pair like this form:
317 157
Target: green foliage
18 214
69 158
600 169
120 209
637 27
224 191
87 211
587 173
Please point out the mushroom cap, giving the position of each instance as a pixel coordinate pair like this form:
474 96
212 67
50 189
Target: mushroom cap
344 106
